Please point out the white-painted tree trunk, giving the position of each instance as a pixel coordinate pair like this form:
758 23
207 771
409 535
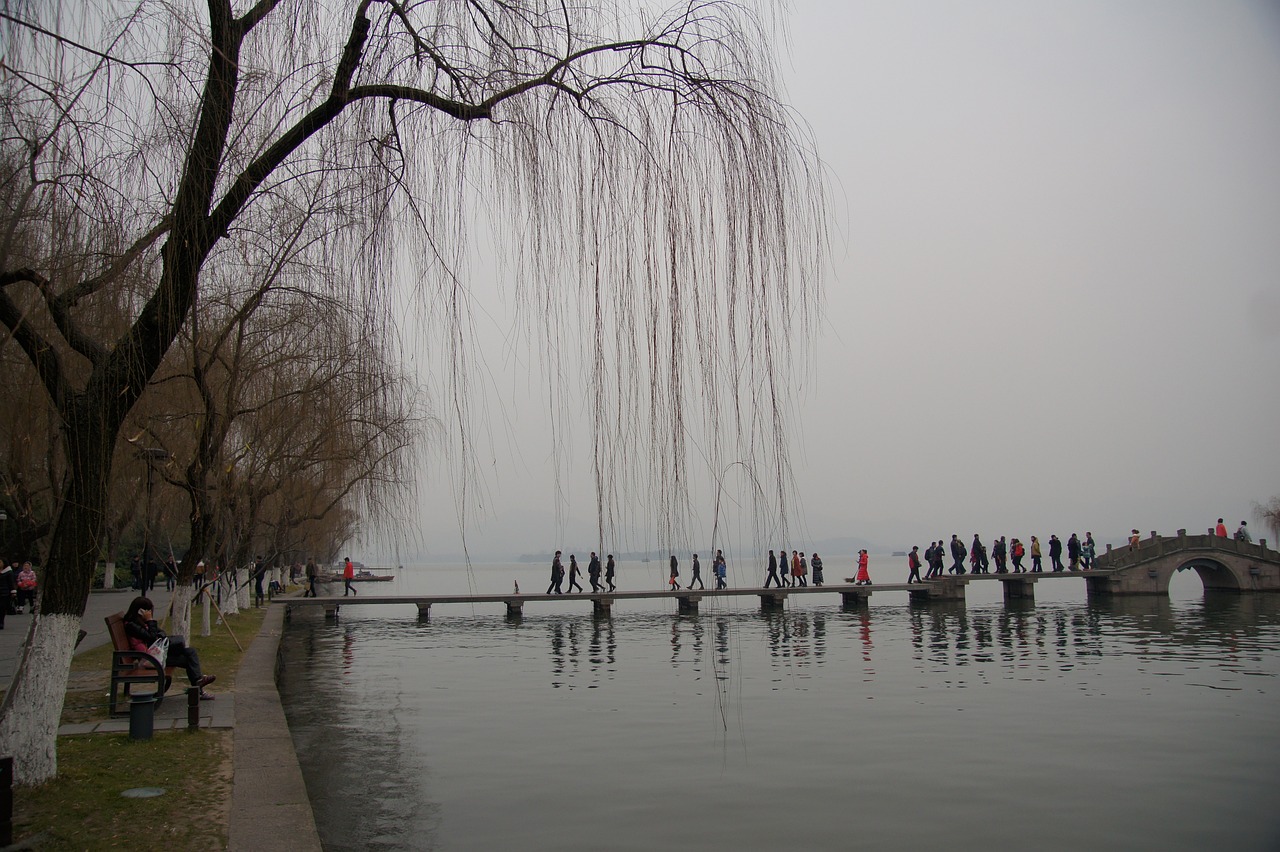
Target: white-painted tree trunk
242 588
230 602
205 607
109 576
33 705
182 594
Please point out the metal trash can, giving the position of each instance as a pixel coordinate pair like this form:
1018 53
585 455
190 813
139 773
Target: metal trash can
142 716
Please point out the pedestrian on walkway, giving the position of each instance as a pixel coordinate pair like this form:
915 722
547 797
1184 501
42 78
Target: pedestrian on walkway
804 570
313 571
864 575
610 570
557 575
573 573
27 584
772 576
721 570
817 569
674 580
958 554
1073 552
348 574
1221 530
913 562
697 573
1055 553
593 572
784 568
1088 550
1037 566
1242 534
1018 552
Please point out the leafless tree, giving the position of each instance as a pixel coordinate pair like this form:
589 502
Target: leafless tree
1268 514
654 187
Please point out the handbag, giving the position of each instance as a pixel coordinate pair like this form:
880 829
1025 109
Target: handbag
160 650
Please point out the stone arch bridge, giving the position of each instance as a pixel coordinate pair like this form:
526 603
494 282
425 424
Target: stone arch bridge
1224 564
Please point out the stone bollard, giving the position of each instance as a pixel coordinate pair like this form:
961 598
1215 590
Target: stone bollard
193 708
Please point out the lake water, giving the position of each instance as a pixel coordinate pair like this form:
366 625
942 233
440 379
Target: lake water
1133 723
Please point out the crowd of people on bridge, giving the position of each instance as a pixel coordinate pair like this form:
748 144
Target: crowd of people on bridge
1005 556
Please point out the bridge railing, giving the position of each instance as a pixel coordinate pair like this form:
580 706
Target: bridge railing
1156 546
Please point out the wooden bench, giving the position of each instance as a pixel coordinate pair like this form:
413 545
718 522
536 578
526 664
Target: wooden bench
130 667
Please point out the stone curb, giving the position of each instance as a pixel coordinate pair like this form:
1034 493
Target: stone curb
269 804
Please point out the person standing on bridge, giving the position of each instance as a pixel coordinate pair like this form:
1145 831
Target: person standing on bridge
312 571
977 556
574 571
1087 551
804 570
593 572
864 575
1037 567
772 576
958 554
610 571
697 574
913 562
1073 552
1221 530
721 570
557 575
784 568
936 561
1000 553
1242 534
1018 551
1055 552
817 570
674 580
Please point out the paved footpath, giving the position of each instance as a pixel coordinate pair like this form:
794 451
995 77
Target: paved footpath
269 804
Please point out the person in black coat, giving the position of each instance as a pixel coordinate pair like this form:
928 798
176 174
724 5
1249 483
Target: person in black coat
1055 552
143 632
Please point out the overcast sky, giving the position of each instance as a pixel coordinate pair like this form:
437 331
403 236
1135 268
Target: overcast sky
1054 296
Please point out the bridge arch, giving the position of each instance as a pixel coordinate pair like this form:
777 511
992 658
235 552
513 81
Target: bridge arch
1222 565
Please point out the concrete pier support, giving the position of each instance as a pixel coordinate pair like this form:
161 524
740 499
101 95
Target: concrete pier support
601 605
330 610
771 601
1019 587
688 603
941 589
515 608
855 598
424 611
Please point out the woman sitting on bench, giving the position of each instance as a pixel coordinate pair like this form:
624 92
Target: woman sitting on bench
143 632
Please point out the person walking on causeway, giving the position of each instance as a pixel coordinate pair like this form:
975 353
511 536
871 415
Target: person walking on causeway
674 580
348 574
143 632
697 574
772 576
610 571
557 575
864 576
573 573
1055 553
816 564
913 562
958 553
1037 566
784 569
593 572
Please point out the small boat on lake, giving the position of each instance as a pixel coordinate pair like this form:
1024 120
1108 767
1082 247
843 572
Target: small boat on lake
360 577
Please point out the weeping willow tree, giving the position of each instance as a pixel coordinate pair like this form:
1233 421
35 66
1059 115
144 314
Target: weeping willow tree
644 177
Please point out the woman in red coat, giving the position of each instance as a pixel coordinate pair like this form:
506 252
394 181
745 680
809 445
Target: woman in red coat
864 577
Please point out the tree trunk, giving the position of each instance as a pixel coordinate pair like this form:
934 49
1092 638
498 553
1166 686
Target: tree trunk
33 705
242 589
182 595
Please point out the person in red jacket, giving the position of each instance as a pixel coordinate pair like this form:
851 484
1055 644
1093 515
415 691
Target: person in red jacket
348 574
1222 529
